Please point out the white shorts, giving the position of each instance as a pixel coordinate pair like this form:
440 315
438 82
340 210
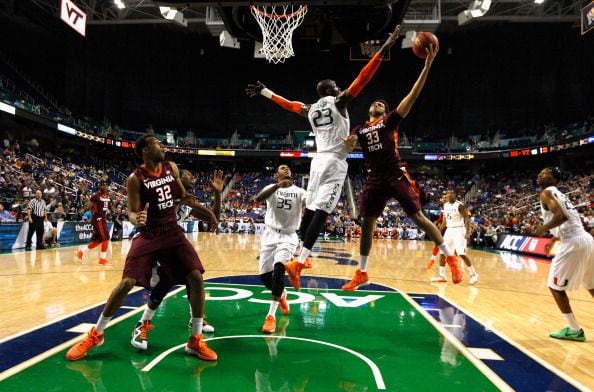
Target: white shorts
455 240
276 247
326 178
573 265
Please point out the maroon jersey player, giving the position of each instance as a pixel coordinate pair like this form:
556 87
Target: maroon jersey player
99 203
387 176
154 189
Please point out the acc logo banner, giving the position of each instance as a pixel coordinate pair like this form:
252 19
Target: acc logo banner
587 18
73 16
526 244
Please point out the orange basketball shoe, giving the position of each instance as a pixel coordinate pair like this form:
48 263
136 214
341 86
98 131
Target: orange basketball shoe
360 280
283 304
307 263
269 324
294 271
457 273
79 256
105 262
197 346
80 349
430 263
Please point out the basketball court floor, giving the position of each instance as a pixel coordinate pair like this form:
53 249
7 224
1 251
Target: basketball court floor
401 333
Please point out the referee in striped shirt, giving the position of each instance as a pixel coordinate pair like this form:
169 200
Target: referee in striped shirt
37 215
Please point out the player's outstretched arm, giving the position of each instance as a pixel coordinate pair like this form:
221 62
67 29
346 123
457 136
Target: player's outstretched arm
367 72
407 102
292 106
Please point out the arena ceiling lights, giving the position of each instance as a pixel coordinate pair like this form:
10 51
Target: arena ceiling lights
477 9
173 15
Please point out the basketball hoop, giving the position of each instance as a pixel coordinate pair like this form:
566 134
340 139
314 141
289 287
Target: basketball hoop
277 23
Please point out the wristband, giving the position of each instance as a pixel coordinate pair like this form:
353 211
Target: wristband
266 93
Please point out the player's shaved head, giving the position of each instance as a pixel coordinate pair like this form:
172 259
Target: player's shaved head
325 87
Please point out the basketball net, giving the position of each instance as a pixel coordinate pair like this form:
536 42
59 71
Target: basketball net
277 23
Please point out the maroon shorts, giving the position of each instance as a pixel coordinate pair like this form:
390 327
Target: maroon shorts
100 231
380 188
169 247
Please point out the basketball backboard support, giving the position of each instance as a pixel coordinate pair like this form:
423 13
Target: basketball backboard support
366 50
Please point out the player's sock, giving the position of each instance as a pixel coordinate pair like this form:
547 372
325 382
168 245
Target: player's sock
472 270
272 309
102 323
572 322
442 270
197 325
303 255
148 314
363 263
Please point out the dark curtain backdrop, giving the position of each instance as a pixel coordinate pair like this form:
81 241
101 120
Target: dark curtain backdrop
486 77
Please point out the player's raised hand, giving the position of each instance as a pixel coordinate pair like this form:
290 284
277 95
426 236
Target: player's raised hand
285 183
217 181
350 142
254 89
391 40
431 54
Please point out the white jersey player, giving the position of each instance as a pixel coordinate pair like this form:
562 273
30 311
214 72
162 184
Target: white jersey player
279 241
457 233
573 264
330 123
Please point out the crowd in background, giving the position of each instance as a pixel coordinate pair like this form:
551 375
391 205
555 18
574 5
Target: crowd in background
497 202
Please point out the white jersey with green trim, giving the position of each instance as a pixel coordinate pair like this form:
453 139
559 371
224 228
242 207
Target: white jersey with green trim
329 126
573 224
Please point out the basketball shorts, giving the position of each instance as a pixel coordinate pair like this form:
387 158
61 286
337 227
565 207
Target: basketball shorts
170 248
573 265
326 178
455 239
100 231
276 247
379 188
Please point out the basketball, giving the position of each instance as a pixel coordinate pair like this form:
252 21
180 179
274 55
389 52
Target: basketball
424 40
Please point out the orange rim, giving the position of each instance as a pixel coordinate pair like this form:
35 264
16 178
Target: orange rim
302 9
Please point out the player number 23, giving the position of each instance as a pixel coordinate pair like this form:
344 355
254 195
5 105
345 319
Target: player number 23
322 117
163 193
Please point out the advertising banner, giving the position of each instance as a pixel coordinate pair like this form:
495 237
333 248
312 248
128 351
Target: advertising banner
526 244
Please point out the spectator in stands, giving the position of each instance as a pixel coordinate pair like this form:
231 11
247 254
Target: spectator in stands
59 214
6 216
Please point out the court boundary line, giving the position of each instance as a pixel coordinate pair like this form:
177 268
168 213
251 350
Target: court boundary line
479 364
377 375
524 351
54 350
18 334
